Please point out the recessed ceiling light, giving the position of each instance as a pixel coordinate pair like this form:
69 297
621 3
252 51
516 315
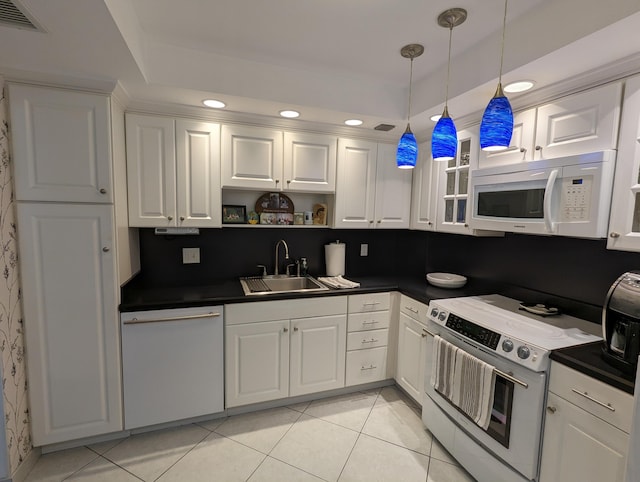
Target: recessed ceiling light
215 104
435 118
290 114
353 122
518 86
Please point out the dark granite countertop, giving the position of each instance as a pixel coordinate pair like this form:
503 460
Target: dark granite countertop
142 295
588 359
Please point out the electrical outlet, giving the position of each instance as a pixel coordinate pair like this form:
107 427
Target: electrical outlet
190 255
364 250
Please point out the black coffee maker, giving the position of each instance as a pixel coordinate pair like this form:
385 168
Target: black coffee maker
621 323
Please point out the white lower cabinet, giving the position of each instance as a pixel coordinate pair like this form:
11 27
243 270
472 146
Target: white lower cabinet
586 432
368 326
411 347
172 364
276 349
69 286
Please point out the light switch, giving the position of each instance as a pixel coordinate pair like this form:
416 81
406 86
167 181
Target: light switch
364 250
190 255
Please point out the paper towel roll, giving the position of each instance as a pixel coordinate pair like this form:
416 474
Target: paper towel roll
334 254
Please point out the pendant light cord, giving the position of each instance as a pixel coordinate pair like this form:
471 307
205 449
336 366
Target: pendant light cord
446 95
504 27
410 82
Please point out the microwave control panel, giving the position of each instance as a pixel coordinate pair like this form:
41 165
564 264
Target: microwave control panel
576 198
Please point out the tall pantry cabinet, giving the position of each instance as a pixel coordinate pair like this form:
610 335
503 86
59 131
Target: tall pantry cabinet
69 238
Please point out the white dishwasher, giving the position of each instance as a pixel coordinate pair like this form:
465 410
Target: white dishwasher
172 364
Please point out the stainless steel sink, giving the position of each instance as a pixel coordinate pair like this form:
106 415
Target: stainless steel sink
271 285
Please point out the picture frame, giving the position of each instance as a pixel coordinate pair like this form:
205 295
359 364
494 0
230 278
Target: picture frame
234 214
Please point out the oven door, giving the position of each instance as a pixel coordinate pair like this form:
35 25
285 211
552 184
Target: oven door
514 432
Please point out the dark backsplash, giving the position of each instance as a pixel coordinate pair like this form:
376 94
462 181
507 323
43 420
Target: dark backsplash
578 269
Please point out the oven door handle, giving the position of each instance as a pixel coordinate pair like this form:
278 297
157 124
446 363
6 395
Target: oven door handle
506 376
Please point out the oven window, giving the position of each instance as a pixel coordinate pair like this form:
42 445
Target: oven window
522 204
500 424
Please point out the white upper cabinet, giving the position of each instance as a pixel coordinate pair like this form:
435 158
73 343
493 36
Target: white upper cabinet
393 190
453 184
424 192
173 172
624 223
371 191
61 145
309 162
576 124
267 159
251 157
198 170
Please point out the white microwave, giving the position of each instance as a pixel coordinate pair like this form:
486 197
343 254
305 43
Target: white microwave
568 196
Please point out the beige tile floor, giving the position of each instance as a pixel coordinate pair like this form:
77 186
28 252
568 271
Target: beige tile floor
368 436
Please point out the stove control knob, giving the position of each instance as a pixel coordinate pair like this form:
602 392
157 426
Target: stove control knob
442 316
434 312
523 352
507 345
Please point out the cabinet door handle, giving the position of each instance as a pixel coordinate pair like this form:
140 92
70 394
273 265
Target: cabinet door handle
285 330
136 321
424 333
103 191
170 218
295 328
181 218
551 409
613 234
379 221
105 249
277 181
288 181
589 397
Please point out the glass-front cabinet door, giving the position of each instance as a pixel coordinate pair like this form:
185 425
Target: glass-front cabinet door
624 224
454 196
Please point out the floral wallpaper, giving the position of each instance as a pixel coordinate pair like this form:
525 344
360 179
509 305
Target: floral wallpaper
14 381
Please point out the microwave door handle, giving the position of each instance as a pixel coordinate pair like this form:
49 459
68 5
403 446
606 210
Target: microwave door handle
548 194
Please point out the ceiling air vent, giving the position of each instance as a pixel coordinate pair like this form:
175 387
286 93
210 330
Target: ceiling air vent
384 127
13 14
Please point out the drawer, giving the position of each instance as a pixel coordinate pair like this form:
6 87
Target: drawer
369 302
416 310
257 311
359 340
604 401
364 366
368 321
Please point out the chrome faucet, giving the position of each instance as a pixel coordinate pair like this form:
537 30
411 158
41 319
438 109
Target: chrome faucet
286 254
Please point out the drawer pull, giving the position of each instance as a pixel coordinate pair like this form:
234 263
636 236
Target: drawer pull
136 321
412 310
371 303
373 340
424 333
370 367
589 397
370 322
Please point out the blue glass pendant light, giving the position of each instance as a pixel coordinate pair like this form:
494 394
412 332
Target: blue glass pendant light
444 139
497 121
407 146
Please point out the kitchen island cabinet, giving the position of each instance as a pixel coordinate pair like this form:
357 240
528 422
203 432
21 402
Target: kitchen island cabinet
277 349
371 191
586 430
173 172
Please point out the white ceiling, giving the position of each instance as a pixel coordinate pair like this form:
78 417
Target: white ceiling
329 59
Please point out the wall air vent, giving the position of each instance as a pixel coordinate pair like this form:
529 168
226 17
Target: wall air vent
384 127
13 14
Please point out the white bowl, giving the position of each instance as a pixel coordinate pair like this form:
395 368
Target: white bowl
446 280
